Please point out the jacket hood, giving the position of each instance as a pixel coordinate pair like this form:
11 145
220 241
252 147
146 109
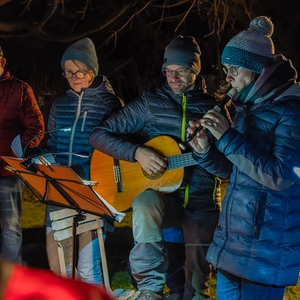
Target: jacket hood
275 81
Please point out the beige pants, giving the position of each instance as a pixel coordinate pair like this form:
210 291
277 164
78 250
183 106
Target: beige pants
88 266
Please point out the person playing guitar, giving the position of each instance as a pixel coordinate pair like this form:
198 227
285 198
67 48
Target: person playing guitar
194 203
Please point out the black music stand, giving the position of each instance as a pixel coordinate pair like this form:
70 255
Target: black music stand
61 186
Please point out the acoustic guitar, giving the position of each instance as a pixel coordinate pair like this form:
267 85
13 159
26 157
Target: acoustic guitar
119 182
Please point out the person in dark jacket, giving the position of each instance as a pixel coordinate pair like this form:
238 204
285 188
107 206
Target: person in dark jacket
256 247
195 204
89 99
20 116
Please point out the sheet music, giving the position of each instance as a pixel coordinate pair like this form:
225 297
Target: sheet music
119 215
16 146
48 159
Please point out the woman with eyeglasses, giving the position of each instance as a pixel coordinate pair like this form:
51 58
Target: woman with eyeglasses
256 248
83 106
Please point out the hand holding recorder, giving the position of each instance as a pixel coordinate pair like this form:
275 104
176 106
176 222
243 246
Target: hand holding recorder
214 121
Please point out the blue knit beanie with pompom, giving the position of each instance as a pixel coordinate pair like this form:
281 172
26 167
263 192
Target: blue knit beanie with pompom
253 48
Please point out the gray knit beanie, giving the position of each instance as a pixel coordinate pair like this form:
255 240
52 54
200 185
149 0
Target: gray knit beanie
183 51
83 51
253 48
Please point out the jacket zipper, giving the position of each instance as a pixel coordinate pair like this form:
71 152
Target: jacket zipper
259 215
183 134
74 129
227 225
83 122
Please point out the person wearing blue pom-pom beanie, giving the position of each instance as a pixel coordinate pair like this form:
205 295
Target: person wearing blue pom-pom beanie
256 246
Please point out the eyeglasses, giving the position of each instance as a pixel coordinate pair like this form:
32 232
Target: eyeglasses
235 71
79 74
178 72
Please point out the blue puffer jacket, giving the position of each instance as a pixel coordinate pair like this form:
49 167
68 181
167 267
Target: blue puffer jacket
80 112
258 237
156 113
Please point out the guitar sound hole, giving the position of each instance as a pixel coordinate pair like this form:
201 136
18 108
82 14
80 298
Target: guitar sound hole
152 177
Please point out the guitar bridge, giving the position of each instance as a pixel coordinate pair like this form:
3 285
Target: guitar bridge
117 175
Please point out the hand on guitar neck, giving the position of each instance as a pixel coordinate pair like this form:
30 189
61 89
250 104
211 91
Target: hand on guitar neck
151 161
200 142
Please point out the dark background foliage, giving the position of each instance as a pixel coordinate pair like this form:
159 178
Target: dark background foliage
130 37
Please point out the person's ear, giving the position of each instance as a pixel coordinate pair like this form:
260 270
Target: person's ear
3 62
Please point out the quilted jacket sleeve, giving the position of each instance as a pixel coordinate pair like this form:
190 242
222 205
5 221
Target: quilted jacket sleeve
32 118
109 137
274 168
51 143
214 162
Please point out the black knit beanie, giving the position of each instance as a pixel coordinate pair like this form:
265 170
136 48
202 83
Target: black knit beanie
183 51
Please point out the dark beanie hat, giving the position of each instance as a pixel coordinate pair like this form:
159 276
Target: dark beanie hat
183 51
253 48
83 51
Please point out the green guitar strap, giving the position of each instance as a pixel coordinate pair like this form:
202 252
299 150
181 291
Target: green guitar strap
183 118
183 134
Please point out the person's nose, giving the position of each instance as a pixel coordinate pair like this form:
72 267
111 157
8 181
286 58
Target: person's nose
174 75
229 77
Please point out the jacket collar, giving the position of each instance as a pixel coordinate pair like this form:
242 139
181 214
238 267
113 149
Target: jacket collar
5 75
200 87
272 82
274 76
99 85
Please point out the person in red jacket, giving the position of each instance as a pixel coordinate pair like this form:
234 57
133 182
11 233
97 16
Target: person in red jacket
22 283
19 115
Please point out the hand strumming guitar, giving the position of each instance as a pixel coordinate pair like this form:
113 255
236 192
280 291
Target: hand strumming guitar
150 161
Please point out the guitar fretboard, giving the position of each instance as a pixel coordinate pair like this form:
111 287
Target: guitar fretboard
180 161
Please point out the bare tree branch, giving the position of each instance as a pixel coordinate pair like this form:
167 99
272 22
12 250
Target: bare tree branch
184 16
3 2
50 13
115 33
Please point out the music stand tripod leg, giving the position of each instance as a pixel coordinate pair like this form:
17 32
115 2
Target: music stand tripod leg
76 219
62 262
103 260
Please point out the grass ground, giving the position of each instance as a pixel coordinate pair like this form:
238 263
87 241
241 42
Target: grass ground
34 214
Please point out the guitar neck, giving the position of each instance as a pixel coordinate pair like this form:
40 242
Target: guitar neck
180 161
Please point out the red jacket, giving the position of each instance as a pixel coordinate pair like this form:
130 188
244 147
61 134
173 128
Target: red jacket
19 114
28 283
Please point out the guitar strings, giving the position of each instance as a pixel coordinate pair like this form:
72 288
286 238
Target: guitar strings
174 162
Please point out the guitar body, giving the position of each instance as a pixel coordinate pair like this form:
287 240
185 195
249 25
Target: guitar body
134 179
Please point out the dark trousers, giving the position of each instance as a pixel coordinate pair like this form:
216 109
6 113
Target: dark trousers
175 272
10 216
